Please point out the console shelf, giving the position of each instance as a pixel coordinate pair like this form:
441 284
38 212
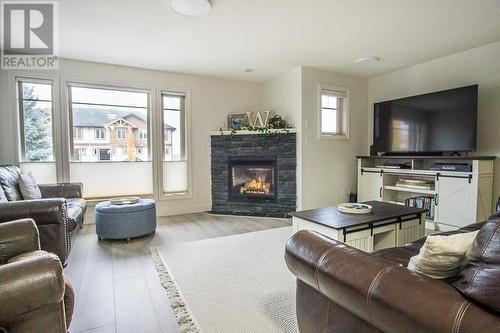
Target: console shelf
409 190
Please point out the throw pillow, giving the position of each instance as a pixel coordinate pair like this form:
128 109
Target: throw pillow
441 257
3 198
29 188
480 274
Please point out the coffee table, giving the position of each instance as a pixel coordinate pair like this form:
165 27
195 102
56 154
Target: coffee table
388 225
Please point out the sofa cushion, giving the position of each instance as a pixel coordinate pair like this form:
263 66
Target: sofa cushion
9 180
3 198
480 273
28 187
76 209
441 256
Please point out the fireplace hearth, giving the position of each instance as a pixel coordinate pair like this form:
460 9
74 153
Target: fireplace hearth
254 174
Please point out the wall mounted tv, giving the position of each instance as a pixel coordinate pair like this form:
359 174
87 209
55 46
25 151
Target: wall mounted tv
442 121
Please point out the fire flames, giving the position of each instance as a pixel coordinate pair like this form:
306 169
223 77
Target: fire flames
256 186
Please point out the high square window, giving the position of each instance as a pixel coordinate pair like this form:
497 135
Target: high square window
334 113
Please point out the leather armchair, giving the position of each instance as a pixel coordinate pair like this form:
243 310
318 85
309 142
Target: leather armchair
34 294
59 214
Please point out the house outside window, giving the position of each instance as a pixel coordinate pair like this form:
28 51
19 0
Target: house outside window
333 112
100 133
121 133
36 112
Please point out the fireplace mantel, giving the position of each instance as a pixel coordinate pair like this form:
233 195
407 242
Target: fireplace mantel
245 132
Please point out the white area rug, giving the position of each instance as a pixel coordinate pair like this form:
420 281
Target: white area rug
231 284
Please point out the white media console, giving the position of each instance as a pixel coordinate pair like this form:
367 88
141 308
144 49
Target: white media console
458 198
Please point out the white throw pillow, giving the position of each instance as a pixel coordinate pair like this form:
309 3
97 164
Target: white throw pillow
29 188
442 256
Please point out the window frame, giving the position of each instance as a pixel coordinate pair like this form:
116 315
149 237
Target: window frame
90 85
343 114
122 130
77 130
20 108
98 130
160 147
142 134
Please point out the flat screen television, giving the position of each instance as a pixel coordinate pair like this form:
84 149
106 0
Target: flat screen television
442 121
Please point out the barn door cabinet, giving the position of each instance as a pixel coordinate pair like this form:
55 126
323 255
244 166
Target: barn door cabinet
455 198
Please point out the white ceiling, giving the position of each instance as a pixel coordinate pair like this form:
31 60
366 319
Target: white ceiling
273 36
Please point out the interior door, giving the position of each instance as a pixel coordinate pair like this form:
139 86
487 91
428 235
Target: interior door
370 186
455 202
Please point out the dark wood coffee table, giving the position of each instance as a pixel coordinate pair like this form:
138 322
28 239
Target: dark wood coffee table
388 225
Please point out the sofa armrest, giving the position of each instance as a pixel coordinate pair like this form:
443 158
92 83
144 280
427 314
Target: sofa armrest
18 237
43 211
386 295
30 283
61 190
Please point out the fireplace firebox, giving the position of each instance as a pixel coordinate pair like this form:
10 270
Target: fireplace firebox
252 180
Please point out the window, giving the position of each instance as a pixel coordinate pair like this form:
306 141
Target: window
143 134
118 109
175 165
334 114
83 152
100 133
78 133
121 133
35 105
173 129
124 150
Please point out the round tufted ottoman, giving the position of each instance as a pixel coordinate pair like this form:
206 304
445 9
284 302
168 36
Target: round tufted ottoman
125 221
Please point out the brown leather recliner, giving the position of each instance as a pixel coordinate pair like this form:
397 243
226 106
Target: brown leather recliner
58 215
34 294
342 289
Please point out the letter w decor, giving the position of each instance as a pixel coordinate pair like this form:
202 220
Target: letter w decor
257 122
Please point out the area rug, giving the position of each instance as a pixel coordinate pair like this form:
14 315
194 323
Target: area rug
231 284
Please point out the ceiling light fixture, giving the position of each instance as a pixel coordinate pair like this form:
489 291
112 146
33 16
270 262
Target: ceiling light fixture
191 7
367 61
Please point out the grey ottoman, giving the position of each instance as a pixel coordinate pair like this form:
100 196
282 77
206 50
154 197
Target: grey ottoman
125 221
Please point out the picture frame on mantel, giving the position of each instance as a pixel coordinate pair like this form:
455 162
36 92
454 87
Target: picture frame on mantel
236 121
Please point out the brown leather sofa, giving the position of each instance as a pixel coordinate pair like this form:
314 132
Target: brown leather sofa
342 289
58 215
35 296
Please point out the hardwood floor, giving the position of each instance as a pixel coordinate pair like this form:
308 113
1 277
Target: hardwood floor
117 287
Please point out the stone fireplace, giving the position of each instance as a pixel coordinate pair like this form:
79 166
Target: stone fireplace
254 174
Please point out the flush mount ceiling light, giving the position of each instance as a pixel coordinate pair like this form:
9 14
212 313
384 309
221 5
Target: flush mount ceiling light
191 7
367 61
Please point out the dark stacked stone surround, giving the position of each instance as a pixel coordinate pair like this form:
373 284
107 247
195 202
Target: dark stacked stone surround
282 147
